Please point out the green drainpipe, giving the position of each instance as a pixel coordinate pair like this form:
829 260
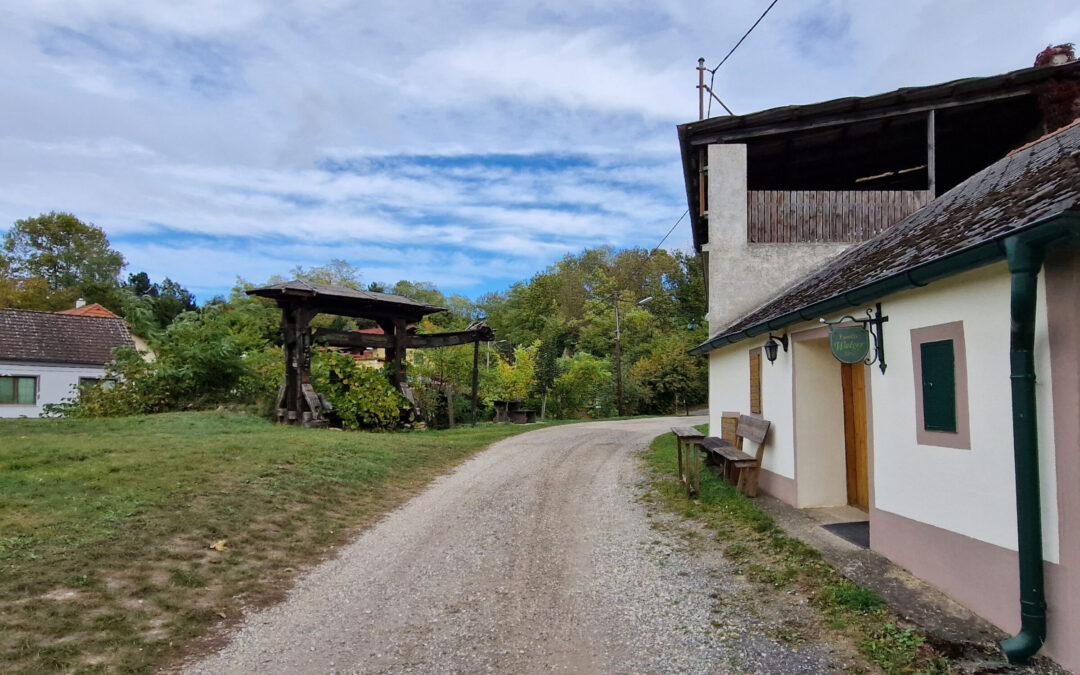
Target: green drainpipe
1025 260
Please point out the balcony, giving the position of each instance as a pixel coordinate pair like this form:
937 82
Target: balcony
788 216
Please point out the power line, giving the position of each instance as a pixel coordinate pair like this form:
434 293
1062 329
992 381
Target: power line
712 72
669 232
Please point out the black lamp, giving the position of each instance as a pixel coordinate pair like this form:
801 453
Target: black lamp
772 344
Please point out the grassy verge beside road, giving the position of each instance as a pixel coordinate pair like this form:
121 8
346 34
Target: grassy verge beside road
764 554
123 539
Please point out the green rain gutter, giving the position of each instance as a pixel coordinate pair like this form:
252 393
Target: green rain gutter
979 255
1024 251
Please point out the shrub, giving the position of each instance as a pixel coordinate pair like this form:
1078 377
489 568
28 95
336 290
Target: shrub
362 397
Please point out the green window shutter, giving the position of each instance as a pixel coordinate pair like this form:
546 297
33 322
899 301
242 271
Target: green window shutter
7 389
939 385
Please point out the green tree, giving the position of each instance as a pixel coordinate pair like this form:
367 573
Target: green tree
63 250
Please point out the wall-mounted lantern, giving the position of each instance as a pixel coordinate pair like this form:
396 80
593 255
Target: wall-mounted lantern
773 345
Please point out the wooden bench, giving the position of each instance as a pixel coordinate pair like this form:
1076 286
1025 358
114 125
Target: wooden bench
522 416
740 468
686 442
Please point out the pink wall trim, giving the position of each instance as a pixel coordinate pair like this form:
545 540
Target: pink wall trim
781 487
978 575
1062 289
954 331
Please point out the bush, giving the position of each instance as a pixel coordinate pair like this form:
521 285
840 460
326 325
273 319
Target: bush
204 359
362 397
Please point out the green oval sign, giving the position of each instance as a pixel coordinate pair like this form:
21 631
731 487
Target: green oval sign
849 344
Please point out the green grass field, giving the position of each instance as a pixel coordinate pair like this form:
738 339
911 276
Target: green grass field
107 525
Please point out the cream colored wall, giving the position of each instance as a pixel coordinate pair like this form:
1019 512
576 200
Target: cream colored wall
819 425
729 389
971 492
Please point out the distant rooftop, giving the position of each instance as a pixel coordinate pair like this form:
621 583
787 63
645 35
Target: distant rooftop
93 309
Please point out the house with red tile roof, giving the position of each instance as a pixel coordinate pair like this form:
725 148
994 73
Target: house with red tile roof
46 356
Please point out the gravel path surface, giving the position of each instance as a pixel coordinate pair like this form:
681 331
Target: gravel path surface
534 556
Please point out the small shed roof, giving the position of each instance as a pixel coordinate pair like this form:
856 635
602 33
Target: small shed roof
345 301
1029 186
60 338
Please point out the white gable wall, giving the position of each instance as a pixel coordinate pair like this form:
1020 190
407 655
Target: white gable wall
56 381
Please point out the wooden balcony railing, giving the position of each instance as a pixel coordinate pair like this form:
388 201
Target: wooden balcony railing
786 216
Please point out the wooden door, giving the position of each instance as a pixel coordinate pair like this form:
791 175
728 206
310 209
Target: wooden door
858 483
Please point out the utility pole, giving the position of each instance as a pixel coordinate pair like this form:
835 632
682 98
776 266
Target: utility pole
618 358
701 88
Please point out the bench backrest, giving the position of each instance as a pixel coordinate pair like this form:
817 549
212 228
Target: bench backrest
754 429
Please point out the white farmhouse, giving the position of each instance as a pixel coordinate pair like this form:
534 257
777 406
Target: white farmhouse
953 212
45 356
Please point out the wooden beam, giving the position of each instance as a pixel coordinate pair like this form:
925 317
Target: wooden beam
722 136
338 338
931 151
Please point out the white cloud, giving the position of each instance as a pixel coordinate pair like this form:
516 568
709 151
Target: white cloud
213 121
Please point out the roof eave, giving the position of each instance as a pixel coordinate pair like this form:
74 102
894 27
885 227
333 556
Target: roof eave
1065 223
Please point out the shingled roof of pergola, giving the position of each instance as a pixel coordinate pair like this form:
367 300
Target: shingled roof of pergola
344 301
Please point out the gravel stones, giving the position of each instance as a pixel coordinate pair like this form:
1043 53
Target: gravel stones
534 556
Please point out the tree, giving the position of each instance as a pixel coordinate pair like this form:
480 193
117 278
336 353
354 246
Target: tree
63 250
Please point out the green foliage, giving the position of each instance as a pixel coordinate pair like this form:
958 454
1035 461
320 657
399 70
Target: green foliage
63 250
362 397
515 379
855 598
48 261
580 386
668 376
205 358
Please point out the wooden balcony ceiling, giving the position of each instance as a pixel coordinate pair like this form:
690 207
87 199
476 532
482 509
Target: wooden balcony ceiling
1034 183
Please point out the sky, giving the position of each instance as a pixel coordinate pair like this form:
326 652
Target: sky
468 144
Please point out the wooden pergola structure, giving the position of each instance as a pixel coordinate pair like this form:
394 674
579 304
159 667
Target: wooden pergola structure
300 301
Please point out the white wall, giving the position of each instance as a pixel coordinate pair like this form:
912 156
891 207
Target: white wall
55 383
971 492
819 425
729 389
742 275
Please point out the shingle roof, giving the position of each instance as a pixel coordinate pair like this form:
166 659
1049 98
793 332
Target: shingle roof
93 309
1031 184
60 338
953 92
338 292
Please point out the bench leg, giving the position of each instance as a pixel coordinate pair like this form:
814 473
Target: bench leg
693 469
679 452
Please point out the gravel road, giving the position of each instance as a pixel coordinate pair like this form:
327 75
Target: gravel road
534 556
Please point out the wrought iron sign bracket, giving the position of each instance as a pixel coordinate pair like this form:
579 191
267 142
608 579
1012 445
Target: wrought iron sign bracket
874 325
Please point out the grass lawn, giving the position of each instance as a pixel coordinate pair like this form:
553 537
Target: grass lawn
108 526
765 555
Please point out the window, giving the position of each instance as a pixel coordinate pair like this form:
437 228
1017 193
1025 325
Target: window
755 381
104 383
941 398
18 390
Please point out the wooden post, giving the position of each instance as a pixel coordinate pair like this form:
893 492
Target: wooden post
931 152
618 360
475 378
701 88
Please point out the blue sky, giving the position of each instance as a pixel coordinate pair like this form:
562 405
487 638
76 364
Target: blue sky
466 144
